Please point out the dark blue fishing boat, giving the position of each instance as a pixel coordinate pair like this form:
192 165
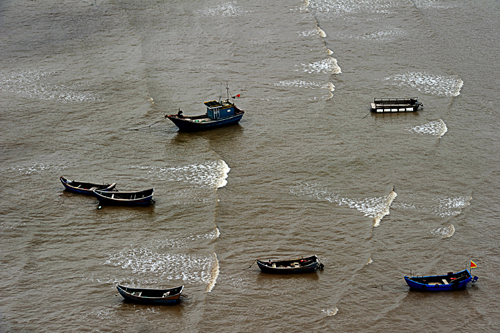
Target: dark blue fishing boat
127 198
219 113
85 188
291 266
450 281
151 296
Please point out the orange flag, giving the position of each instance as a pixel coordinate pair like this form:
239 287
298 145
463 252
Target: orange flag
473 264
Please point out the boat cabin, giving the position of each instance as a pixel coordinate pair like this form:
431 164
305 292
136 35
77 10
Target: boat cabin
219 109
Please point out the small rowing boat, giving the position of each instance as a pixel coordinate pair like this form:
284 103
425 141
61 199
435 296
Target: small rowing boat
291 266
450 281
84 187
151 296
144 197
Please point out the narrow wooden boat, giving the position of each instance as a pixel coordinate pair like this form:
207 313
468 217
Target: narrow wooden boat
450 281
144 197
291 266
219 113
151 296
83 187
382 105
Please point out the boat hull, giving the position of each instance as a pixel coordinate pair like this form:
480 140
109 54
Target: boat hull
282 270
85 188
454 281
187 125
142 198
287 266
135 295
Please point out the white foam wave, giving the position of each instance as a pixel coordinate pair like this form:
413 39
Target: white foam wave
38 167
444 232
338 7
214 273
210 236
431 4
36 85
383 35
452 206
305 84
308 33
369 261
304 7
441 206
326 66
376 207
225 10
428 83
330 312
437 128
184 242
331 88
185 267
212 174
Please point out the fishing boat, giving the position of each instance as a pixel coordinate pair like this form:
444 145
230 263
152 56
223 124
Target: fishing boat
450 281
151 296
144 197
85 188
219 113
298 265
383 105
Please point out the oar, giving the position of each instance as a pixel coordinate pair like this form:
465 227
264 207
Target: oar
249 266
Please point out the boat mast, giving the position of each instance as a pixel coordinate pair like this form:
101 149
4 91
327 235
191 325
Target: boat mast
220 91
227 90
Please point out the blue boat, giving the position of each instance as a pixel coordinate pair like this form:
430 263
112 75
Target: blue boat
450 281
85 188
291 266
219 113
151 296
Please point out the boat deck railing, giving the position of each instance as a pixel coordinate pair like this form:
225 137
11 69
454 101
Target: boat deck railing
408 100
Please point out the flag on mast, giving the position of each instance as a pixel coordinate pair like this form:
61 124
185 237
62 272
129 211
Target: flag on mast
473 264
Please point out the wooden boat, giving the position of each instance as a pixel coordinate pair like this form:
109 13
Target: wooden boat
450 281
144 197
85 188
382 105
151 296
219 113
298 265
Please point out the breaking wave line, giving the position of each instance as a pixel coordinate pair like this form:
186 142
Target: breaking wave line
376 207
444 232
214 273
212 174
437 128
428 83
330 312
